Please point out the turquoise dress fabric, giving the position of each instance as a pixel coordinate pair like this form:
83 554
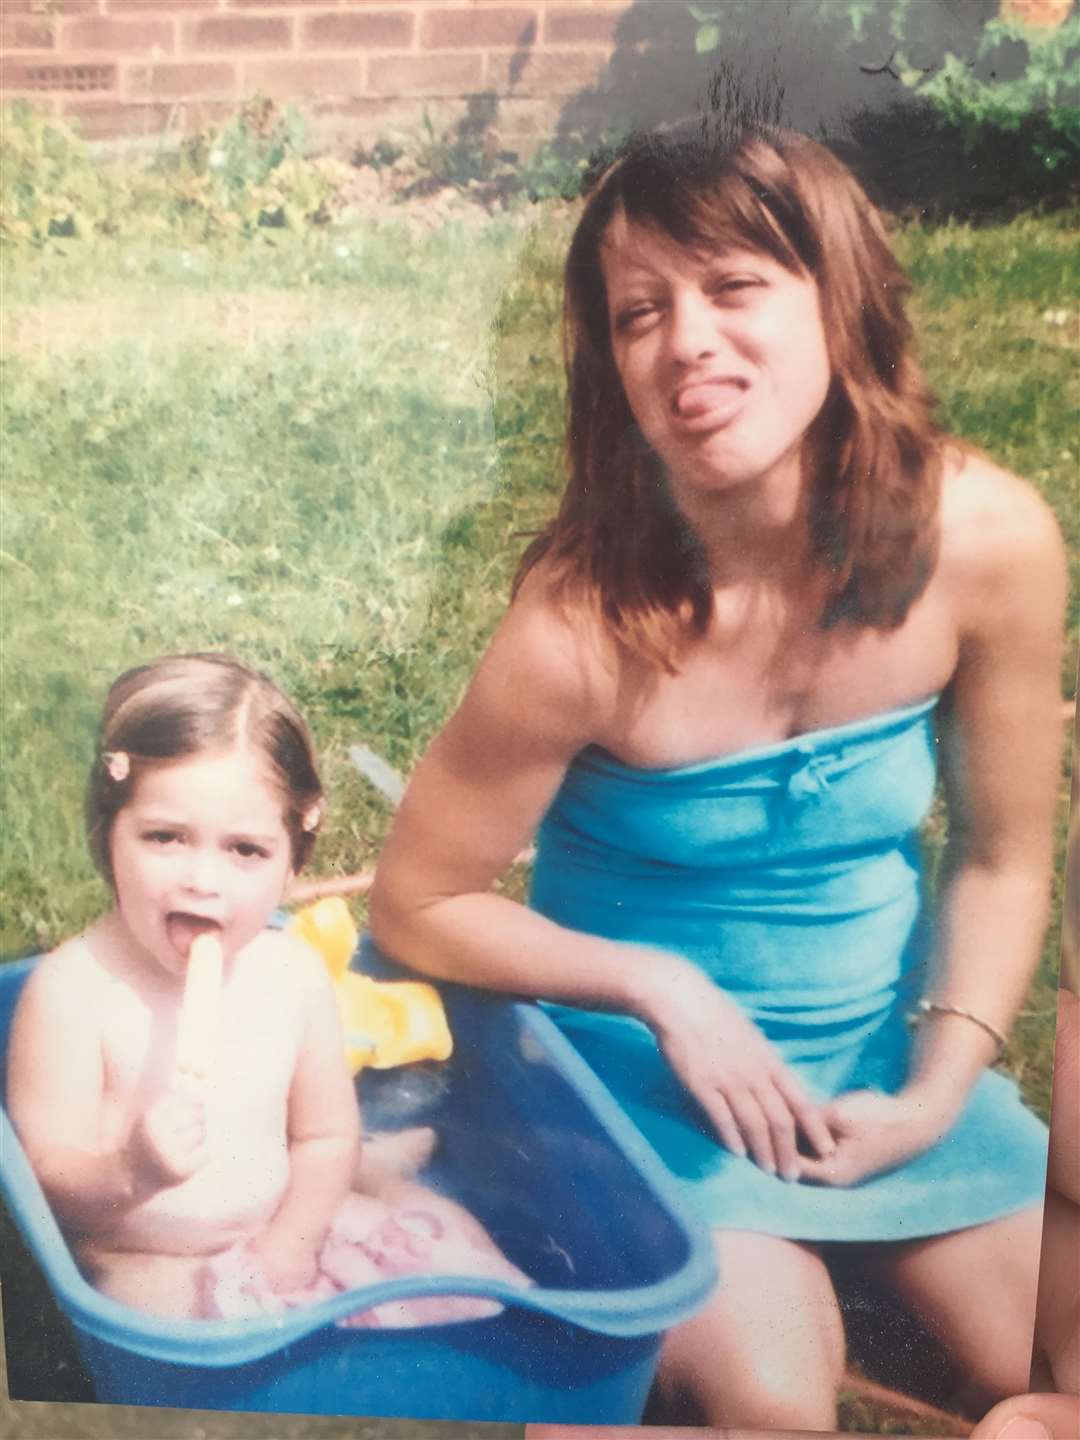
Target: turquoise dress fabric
792 875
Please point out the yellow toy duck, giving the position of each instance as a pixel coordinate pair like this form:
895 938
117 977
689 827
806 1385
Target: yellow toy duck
387 1022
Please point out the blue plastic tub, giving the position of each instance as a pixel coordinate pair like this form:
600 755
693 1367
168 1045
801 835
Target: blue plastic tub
531 1143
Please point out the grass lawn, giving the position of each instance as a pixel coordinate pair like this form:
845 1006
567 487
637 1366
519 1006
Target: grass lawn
320 453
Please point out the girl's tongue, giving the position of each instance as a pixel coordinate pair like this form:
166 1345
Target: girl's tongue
182 929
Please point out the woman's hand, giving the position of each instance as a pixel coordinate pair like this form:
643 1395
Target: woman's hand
168 1142
873 1132
753 1099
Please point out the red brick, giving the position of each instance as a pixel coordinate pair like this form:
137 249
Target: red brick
425 74
49 7
242 32
178 8
445 28
29 34
304 77
177 82
125 37
46 74
107 120
572 24
544 72
381 28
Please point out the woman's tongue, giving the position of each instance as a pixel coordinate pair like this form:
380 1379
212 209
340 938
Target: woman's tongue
182 929
709 396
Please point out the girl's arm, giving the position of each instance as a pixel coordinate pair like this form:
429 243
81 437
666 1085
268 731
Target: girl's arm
324 1138
542 693
55 1095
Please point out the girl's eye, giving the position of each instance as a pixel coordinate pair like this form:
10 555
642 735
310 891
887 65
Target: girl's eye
247 850
162 837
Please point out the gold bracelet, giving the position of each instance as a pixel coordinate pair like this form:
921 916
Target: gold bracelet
933 1007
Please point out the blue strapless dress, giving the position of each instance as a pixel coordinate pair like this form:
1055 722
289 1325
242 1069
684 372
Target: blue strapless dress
792 874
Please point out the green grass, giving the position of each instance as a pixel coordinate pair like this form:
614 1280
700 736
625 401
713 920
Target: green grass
289 451
320 450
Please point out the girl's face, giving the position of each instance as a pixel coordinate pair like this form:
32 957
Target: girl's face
722 357
201 846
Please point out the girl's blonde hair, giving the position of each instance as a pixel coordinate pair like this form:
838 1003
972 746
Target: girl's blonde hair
874 452
185 705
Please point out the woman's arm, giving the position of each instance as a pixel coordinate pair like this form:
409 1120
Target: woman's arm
1001 745
1003 571
324 1137
474 802
539 696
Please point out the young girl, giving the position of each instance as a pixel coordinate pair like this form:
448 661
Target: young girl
773 593
203 801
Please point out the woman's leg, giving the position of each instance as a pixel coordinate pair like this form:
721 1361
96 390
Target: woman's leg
767 1351
975 1289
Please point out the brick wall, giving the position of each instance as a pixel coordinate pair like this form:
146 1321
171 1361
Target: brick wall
133 68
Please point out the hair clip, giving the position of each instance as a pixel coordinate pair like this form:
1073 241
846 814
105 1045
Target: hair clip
117 764
311 817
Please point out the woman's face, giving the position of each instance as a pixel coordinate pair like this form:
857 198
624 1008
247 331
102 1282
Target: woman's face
722 356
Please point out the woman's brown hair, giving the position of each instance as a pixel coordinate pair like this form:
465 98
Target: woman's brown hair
875 452
186 705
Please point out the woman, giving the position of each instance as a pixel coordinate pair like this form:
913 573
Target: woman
772 591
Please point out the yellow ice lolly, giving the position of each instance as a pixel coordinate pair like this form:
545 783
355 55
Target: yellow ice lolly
386 1022
199 1008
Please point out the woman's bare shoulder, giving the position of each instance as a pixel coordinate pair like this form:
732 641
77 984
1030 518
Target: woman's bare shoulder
550 656
997 531
989 515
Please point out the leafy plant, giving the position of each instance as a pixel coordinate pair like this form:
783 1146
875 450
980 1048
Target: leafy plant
251 171
48 186
464 152
233 177
978 93
560 169
1047 92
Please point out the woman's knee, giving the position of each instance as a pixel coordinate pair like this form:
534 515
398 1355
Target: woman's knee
767 1352
976 1290
766 1392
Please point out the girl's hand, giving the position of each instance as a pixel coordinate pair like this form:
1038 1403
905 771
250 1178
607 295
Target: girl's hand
874 1132
168 1142
288 1263
753 1099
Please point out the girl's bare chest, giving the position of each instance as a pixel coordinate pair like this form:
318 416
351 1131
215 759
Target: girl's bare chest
253 1051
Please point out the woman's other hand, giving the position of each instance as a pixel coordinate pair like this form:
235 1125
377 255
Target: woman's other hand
873 1132
754 1101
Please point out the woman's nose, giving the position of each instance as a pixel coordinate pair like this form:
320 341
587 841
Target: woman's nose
693 333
